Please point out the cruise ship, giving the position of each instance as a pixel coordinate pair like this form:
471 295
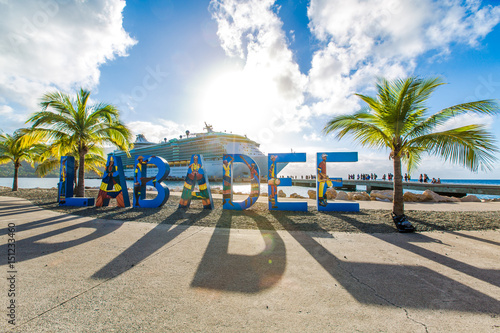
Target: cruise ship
211 145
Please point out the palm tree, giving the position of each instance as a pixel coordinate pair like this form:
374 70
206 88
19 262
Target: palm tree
396 119
50 159
82 125
20 146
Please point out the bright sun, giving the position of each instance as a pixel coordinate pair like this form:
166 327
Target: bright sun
231 96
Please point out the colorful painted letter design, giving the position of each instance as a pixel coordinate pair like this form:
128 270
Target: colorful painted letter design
113 184
66 183
66 180
196 175
227 186
274 182
141 180
323 182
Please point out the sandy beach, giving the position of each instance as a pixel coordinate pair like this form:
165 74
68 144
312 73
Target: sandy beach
373 217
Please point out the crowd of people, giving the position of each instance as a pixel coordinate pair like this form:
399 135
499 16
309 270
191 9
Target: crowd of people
301 177
423 178
369 176
363 176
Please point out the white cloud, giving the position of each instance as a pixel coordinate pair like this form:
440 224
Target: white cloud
311 137
5 110
57 44
156 132
465 120
360 41
8 113
268 89
365 39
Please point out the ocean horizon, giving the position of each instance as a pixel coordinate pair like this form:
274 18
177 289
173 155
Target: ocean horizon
34 182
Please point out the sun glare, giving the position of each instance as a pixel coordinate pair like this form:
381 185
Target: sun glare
230 96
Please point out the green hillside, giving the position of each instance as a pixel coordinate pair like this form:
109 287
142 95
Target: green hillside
7 170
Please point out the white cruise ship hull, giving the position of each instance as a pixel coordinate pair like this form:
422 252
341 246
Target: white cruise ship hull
212 168
211 145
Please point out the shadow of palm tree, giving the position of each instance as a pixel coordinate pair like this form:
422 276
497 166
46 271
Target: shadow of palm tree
404 286
406 243
34 246
150 243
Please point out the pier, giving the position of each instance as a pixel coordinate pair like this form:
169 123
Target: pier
454 190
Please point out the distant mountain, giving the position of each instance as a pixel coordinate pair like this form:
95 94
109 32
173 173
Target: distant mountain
7 170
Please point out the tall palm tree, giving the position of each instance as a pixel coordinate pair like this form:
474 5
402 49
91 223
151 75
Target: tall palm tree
20 146
397 119
83 125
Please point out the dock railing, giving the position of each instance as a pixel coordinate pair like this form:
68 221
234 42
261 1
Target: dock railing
455 190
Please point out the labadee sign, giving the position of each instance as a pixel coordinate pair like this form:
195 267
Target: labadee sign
113 182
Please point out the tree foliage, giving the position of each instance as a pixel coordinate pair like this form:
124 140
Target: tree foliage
77 127
398 119
21 146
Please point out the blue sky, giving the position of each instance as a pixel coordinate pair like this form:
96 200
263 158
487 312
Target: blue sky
274 70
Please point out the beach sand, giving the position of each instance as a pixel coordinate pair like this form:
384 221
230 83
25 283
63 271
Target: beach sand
373 217
427 206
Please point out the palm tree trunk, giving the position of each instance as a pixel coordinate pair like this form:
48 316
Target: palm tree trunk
16 172
80 188
398 203
75 178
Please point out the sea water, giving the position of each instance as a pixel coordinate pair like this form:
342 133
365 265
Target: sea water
237 187
172 185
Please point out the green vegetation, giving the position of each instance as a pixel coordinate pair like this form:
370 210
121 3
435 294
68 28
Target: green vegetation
397 119
50 159
26 170
22 146
77 128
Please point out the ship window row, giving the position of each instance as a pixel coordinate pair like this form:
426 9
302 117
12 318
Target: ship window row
171 159
189 152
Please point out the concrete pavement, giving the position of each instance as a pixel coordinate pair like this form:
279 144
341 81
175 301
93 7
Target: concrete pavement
76 274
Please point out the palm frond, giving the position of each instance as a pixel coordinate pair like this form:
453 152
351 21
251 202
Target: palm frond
42 169
425 88
5 159
78 128
487 107
471 146
23 145
95 163
412 156
397 119
360 125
